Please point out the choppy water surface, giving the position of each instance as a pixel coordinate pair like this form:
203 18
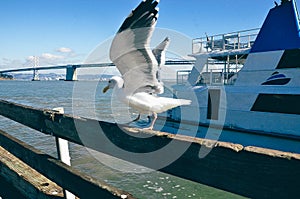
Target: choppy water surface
86 99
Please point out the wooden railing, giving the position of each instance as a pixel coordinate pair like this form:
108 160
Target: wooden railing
249 171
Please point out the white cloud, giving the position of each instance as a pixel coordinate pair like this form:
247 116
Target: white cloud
61 56
30 58
49 56
64 50
10 64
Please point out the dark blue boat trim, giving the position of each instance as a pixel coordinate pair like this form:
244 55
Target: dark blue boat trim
277 103
282 81
276 76
280 30
290 59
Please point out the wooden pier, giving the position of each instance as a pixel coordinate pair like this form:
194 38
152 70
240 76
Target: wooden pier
249 171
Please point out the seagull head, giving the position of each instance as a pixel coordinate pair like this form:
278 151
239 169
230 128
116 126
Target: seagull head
113 82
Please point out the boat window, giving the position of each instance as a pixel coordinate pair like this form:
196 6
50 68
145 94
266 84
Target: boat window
213 104
277 103
290 59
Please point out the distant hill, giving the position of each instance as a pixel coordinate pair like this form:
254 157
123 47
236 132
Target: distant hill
48 76
100 77
54 76
6 77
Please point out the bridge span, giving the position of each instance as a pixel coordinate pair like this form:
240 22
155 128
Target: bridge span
71 73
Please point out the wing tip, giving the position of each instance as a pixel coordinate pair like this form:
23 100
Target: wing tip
146 7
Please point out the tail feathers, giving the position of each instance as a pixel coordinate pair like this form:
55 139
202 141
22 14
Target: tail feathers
184 102
169 103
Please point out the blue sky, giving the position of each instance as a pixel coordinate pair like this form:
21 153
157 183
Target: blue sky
66 31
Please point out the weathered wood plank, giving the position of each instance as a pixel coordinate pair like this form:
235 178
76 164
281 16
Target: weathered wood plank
78 183
26 180
250 171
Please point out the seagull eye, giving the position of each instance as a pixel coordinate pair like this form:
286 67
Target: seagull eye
109 81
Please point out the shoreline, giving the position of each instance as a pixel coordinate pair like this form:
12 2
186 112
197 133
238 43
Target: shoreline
3 79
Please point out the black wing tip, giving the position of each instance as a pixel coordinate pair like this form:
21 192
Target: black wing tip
139 17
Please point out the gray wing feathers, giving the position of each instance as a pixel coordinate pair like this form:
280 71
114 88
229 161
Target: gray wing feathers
160 50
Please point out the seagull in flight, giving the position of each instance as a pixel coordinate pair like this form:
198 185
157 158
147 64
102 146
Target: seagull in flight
139 65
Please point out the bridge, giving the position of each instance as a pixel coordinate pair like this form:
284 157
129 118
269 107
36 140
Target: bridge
71 73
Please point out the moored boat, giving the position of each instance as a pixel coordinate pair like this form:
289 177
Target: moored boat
247 80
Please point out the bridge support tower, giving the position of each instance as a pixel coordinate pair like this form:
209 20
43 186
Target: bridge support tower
71 73
35 75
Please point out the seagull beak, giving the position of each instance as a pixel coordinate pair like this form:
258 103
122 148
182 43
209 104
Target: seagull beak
105 89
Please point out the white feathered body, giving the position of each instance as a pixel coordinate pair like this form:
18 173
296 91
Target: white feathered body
147 104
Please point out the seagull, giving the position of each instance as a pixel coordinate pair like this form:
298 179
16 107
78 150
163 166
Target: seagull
139 65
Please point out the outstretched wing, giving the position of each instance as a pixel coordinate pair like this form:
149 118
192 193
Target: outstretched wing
130 50
160 55
160 51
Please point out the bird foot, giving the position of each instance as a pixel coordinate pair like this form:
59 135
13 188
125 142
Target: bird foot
152 123
148 128
135 120
140 123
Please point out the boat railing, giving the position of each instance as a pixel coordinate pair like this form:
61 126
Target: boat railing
210 77
229 41
182 76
